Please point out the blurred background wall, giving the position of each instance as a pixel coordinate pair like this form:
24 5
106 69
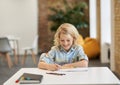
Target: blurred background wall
19 18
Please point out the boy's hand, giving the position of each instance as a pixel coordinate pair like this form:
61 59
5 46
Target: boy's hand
65 66
53 67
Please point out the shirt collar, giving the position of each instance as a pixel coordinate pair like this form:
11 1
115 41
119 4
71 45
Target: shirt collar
71 49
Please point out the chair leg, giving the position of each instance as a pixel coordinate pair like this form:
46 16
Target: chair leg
33 57
15 56
8 60
24 57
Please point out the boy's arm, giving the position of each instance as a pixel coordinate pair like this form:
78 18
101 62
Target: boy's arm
52 67
42 65
81 63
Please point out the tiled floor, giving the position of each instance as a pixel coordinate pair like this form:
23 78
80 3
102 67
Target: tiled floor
6 73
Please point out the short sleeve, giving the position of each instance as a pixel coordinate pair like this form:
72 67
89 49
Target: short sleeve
81 55
48 57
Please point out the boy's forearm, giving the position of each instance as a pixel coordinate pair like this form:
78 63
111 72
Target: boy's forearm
42 65
82 63
53 67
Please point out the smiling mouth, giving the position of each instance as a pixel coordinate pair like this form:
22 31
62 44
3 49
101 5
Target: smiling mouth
65 46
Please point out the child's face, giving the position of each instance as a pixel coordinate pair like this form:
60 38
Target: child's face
66 41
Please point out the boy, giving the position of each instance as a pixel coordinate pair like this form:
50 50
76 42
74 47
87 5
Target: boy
66 53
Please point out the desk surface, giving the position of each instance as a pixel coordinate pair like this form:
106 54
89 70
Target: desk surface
94 75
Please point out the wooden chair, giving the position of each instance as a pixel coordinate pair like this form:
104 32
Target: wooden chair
5 48
32 50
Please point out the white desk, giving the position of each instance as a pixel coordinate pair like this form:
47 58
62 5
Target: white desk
94 75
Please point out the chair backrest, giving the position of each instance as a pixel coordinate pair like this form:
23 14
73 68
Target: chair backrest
35 42
11 41
5 45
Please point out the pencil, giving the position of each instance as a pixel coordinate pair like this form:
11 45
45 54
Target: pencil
59 74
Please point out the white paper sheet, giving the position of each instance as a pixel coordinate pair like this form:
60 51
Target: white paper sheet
73 70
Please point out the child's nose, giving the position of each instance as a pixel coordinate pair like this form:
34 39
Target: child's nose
65 43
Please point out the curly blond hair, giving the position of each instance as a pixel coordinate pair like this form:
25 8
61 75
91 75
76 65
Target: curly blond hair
66 28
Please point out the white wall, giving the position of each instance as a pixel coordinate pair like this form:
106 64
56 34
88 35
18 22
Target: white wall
93 20
105 28
19 18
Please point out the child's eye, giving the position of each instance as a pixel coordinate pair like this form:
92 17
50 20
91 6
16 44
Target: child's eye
68 40
61 40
